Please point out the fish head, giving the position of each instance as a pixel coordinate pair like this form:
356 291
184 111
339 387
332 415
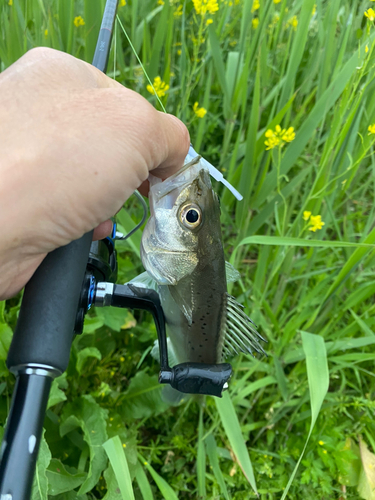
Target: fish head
185 216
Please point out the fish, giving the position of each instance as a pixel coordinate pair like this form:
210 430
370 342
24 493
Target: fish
182 253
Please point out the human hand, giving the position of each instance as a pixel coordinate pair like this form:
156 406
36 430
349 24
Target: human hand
74 146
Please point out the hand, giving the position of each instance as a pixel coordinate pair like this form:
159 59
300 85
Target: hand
74 146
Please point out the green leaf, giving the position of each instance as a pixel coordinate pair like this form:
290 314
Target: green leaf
127 223
318 378
113 448
113 490
366 484
254 386
351 263
219 67
70 495
60 480
212 456
56 395
116 318
2 309
143 398
87 352
348 462
299 242
128 437
40 481
165 489
317 114
85 413
143 484
5 340
201 459
93 323
232 428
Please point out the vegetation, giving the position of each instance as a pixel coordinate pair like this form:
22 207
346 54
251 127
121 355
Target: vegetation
280 95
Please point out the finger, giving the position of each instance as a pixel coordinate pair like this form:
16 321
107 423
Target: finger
176 145
103 230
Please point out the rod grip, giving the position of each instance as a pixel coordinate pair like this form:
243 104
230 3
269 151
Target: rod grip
45 326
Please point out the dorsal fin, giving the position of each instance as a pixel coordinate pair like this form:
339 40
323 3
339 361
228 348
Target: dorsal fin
240 332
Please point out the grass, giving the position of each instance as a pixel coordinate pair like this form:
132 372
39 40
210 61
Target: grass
311 293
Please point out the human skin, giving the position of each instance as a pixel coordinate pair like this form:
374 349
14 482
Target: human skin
74 146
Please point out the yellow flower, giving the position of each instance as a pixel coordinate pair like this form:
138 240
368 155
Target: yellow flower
293 22
10 2
321 442
325 452
159 86
200 112
210 21
370 14
45 33
160 2
255 23
316 222
78 21
178 11
204 6
289 135
256 5
306 216
122 3
279 137
276 1
314 9
272 140
371 128
179 52
366 48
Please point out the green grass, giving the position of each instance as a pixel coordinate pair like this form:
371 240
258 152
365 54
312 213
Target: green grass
311 293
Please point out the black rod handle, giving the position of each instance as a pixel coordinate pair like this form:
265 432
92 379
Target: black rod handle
45 326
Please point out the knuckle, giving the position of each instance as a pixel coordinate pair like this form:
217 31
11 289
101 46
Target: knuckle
39 53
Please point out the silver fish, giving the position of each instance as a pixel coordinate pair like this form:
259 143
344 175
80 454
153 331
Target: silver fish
182 251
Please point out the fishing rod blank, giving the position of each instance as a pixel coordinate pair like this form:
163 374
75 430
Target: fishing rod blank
42 340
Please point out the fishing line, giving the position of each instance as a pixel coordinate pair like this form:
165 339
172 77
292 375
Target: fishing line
136 192
140 63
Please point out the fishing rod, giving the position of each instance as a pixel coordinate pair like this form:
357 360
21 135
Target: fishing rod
70 280
42 340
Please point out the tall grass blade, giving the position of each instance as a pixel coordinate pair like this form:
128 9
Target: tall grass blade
201 459
116 455
143 484
306 131
165 489
300 242
233 431
212 455
318 378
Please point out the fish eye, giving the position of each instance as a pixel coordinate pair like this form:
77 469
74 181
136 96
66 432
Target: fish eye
191 216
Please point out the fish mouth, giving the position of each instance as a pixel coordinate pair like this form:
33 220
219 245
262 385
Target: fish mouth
178 181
